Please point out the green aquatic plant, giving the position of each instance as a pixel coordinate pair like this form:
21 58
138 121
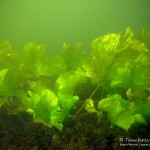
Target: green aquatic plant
120 111
120 63
114 76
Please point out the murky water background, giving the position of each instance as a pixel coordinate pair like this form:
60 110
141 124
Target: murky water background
53 22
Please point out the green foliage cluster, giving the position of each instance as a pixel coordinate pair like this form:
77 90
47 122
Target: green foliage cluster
44 85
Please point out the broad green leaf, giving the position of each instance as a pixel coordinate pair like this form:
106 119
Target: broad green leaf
107 43
67 101
121 78
33 100
113 105
124 120
2 75
103 54
144 110
74 56
68 81
46 86
90 106
57 119
12 84
127 39
139 46
138 118
30 111
45 109
36 62
130 94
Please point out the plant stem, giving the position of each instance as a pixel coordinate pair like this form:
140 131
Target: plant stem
100 83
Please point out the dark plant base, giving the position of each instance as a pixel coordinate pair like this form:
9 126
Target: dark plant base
78 134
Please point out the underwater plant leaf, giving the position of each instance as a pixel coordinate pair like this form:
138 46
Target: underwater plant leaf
130 65
45 108
139 46
124 120
124 50
113 105
130 94
74 57
12 83
144 36
130 48
108 43
32 54
90 106
121 78
48 99
33 51
54 65
68 81
2 75
117 109
33 100
67 101
143 109
48 87
30 111
89 71
127 39
123 113
138 118
65 85
37 63
103 54
57 120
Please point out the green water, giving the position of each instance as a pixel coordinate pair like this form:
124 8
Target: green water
57 94
53 22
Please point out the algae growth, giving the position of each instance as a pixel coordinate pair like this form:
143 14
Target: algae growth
112 82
